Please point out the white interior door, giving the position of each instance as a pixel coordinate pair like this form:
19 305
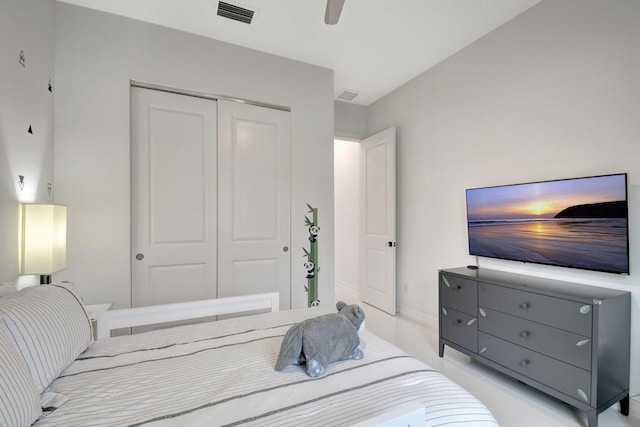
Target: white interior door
253 201
174 187
378 220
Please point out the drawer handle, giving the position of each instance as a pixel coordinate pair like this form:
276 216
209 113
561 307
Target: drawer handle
483 312
471 322
524 363
585 309
582 343
444 311
483 349
458 322
446 282
525 334
524 305
583 395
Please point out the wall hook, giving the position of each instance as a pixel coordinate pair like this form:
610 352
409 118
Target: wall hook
21 182
49 187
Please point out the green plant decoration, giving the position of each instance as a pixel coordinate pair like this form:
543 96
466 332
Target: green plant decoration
311 265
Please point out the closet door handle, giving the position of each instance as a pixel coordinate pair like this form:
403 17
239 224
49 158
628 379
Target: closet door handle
139 257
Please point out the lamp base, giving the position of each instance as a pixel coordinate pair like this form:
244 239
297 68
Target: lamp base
45 279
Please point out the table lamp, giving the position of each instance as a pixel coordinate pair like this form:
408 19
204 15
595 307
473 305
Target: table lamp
43 240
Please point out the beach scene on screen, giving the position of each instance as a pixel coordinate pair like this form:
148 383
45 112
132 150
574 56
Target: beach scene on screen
580 223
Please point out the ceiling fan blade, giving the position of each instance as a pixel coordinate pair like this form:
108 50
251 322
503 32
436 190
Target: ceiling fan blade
333 11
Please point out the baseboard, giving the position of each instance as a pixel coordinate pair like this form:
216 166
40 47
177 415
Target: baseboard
634 404
418 316
351 293
347 291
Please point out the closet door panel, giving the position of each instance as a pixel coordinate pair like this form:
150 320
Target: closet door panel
253 201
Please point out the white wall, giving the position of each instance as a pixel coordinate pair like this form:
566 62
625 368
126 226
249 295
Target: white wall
347 214
97 54
25 100
552 94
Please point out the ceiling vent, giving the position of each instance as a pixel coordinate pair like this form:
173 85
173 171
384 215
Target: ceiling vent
347 95
237 13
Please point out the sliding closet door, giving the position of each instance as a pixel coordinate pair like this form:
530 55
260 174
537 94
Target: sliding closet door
253 200
174 185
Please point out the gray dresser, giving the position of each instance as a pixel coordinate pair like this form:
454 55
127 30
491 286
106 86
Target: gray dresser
568 340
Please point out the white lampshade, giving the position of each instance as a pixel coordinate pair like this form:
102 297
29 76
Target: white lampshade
43 242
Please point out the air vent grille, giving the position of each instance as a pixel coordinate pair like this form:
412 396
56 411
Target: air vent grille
237 13
347 95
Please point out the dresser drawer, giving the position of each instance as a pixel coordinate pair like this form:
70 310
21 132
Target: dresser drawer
567 379
459 293
459 328
562 345
557 312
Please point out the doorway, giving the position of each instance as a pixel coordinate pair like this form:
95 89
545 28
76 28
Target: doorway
347 217
365 211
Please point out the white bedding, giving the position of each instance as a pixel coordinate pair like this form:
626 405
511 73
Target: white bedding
221 373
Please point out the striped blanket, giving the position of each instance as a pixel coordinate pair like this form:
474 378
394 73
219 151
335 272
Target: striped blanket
221 374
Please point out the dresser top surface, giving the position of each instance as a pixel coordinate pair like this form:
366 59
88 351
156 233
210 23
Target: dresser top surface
536 284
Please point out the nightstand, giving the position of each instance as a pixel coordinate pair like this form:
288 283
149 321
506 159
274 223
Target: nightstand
92 312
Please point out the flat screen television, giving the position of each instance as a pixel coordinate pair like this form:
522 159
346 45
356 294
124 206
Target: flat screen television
577 223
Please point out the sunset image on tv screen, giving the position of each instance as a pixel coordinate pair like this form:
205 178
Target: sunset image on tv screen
579 223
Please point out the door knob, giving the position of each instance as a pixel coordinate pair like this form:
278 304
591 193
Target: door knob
139 257
285 249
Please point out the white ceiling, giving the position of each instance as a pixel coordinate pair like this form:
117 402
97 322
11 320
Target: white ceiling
377 45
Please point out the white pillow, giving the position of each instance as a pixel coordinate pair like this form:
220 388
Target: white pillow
19 399
49 328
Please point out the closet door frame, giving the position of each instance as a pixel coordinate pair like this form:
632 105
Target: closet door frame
209 276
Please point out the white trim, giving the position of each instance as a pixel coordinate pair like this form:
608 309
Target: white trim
351 290
212 97
347 136
150 315
418 316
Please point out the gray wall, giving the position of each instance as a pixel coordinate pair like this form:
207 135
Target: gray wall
350 121
552 94
97 54
25 26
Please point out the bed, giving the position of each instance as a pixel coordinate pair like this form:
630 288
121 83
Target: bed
217 373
